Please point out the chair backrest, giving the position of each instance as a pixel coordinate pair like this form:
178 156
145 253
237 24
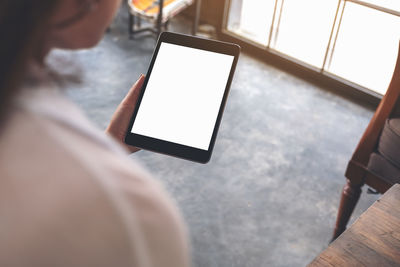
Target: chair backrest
356 168
150 8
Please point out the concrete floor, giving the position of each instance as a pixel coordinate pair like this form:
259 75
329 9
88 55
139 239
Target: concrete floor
270 193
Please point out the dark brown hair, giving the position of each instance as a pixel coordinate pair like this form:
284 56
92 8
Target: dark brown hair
22 29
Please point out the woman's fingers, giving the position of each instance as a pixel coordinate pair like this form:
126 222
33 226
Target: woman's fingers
133 94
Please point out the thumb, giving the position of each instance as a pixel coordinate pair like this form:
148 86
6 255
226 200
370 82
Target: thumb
133 94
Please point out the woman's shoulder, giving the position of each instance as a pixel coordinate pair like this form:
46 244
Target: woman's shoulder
57 206
64 168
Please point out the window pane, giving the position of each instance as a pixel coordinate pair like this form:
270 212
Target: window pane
305 28
251 19
390 4
366 48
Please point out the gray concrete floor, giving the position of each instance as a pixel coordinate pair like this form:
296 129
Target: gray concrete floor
270 194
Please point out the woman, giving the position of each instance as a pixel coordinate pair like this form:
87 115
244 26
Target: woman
69 196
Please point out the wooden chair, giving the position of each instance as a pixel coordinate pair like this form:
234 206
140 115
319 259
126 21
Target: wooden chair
358 171
158 12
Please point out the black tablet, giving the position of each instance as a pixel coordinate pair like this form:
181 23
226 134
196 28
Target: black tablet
180 106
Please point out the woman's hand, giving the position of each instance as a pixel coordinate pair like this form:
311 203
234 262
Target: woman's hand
120 120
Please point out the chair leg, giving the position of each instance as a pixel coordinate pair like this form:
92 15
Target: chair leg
160 17
350 196
166 25
131 24
196 17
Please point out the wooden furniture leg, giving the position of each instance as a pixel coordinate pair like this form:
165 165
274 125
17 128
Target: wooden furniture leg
131 24
196 17
159 22
350 196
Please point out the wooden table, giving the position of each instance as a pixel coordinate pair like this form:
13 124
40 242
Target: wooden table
373 240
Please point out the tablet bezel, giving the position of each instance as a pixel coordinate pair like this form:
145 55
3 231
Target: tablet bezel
170 148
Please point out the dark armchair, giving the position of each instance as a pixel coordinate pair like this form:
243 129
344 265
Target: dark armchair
376 160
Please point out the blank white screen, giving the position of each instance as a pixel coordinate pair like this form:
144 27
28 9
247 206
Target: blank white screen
183 95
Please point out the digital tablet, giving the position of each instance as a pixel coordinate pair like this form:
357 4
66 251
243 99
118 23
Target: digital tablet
180 106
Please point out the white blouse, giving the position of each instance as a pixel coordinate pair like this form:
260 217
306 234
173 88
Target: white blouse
70 196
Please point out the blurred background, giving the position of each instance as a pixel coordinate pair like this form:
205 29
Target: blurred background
308 80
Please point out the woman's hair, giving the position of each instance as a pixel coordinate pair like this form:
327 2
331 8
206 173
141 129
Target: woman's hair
22 29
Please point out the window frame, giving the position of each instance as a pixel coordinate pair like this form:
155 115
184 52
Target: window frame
318 76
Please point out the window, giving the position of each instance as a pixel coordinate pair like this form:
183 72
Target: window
351 39
252 19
